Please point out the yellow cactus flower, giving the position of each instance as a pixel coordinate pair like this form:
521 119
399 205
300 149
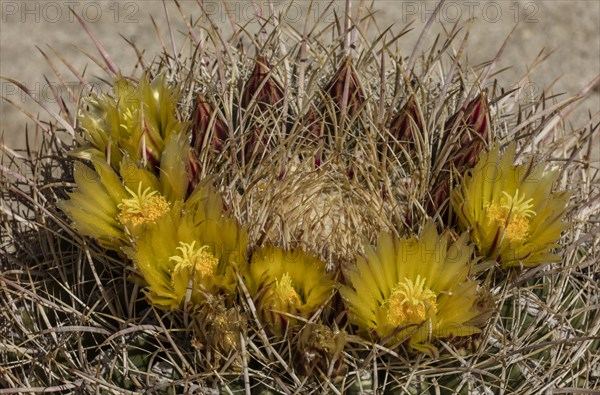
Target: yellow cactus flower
113 207
136 121
104 208
415 289
511 212
284 284
191 252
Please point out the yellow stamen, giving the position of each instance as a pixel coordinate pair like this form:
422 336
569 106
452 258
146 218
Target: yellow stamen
410 303
512 213
518 205
285 290
197 260
143 207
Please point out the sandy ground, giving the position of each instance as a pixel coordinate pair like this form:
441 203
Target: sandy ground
570 28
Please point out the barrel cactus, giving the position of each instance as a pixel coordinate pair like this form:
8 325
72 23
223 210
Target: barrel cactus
300 211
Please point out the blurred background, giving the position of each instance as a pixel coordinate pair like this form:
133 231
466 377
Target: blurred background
570 28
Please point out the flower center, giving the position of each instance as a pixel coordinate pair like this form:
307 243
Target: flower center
143 207
197 260
410 302
512 213
285 290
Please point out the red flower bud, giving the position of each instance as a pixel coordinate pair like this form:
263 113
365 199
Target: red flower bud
261 86
469 128
467 134
263 95
201 127
407 124
355 96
